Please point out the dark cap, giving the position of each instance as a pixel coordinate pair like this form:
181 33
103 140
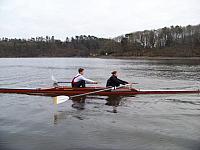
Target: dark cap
114 72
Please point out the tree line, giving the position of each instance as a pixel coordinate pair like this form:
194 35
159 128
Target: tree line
167 41
171 41
50 47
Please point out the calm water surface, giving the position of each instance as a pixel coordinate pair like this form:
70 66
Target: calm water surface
150 122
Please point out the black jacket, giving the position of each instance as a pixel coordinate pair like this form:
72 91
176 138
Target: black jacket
114 81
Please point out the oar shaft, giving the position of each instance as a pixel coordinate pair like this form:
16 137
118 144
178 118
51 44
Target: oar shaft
91 93
107 89
71 82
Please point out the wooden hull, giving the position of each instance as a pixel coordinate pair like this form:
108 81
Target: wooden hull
75 91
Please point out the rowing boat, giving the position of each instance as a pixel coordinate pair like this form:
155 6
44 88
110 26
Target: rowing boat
64 90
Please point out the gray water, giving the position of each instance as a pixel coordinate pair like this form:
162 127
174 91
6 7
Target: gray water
143 122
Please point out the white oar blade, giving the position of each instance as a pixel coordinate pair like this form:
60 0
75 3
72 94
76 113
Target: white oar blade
60 99
53 78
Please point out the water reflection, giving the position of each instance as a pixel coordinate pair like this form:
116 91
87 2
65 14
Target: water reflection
60 115
113 101
79 102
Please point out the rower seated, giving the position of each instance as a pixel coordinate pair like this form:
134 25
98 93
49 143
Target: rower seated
113 81
79 80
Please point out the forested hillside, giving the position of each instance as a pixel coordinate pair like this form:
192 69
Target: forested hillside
174 41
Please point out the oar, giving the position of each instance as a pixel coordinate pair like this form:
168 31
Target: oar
62 98
55 81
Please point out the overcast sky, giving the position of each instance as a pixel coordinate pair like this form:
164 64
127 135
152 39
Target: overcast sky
102 18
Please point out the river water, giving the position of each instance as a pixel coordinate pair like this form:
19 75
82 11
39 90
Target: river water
143 122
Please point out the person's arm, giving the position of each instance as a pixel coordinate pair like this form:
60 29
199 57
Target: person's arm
122 82
87 80
118 81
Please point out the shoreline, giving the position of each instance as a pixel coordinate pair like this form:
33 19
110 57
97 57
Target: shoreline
121 57
148 58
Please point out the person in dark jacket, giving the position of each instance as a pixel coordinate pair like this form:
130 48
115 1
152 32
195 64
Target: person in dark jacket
114 81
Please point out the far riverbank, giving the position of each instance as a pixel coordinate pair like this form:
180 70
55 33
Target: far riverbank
146 57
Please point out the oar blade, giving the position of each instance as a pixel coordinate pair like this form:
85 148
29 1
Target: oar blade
55 82
53 78
60 99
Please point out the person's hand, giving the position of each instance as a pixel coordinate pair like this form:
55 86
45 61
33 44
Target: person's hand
132 83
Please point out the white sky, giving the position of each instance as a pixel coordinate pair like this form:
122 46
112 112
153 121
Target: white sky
101 18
